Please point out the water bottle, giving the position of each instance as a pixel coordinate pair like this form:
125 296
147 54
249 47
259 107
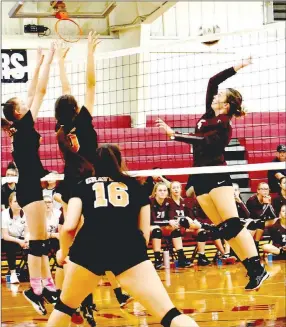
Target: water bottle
166 259
219 262
270 257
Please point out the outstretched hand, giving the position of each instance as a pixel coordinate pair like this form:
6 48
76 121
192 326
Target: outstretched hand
61 50
40 56
93 40
248 61
51 53
160 123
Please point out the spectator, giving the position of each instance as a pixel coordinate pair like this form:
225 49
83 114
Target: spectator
259 205
274 176
53 217
278 235
162 225
280 199
242 210
179 208
260 208
14 231
50 189
8 187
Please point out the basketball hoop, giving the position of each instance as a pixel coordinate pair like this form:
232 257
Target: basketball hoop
66 28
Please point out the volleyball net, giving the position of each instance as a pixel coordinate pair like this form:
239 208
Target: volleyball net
169 81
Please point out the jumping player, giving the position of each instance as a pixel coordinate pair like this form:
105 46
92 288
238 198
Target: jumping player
214 191
110 200
25 143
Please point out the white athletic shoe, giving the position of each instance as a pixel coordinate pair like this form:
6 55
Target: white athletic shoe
14 279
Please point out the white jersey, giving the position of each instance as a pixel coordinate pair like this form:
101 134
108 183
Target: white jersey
16 225
53 221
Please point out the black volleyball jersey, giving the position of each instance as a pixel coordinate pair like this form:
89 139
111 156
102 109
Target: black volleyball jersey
212 133
278 234
110 209
26 143
83 139
178 210
159 212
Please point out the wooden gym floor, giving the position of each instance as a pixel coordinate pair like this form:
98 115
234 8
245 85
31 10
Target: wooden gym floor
213 296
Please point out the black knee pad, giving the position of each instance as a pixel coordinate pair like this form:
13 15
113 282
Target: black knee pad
183 221
169 316
230 228
60 306
37 247
202 236
157 233
176 233
46 247
253 225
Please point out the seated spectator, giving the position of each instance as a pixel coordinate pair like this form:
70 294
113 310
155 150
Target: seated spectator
53 217
274 176
243 212
260 204
278 235
261 209
50 189
179 208
9 187
161 225
14 231
280 199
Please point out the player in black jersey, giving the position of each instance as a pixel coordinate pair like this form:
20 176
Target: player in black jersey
25 146
278 235
75 123
214 191
113 201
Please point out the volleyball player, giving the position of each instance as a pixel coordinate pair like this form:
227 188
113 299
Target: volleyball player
19 124
214 191
74 124
114 202
161 225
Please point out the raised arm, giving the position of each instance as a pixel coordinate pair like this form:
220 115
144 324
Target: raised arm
93 41
34 81
60 54
221 77
42 83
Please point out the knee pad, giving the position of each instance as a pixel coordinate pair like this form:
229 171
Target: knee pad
37 247
157 233
60 306
169 316
176 233
202 236
230 228
183 221
253 225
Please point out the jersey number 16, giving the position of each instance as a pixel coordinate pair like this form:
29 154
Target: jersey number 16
116 195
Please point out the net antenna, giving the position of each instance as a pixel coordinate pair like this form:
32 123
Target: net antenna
66 28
